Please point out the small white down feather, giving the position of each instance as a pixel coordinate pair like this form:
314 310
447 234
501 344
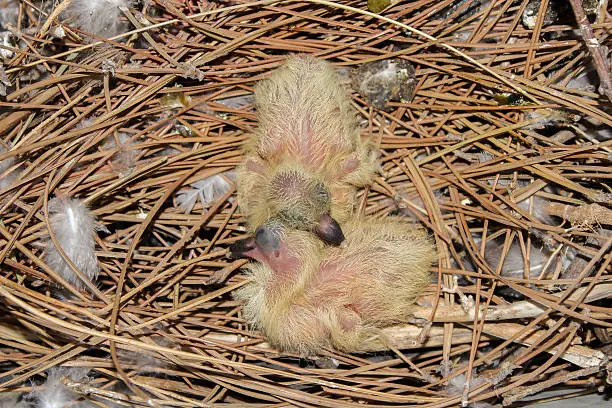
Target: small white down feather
8 171
125 159
54 394
74 228
207 190
98 17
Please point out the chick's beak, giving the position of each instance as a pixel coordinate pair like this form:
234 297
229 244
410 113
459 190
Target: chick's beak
243 248
329 230
262 247
267 239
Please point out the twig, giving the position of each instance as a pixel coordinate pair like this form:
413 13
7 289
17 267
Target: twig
595 49
522 392
583 215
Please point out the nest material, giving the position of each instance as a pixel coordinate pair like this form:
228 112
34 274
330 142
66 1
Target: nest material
462 157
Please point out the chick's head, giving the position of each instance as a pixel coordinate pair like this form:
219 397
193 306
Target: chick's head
303 202
287 252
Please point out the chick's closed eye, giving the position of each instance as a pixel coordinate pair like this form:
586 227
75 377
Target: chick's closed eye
320 191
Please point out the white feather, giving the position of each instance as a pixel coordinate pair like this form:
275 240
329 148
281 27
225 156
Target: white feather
54 394
74 228
485 156
549 117
99 17
514 261
457 386
207 190
8 172
6 40
146 361
586 81
9 14
125 159
233 102
85 122
236 102
457 383
186 199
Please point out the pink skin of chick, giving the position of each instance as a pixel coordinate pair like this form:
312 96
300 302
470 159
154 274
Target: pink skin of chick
305 296
306 159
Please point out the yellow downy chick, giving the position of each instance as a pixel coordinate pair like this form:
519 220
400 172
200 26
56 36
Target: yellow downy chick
306 159
304 295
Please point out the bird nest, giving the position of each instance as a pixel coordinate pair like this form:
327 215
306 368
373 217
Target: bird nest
127 119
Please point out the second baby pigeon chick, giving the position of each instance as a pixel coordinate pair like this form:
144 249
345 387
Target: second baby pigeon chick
303 164
304 295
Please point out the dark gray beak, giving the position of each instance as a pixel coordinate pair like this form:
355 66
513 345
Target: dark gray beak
267 238
242 248
329 230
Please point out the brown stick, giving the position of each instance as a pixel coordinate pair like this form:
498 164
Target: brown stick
522 392
588 214
603 69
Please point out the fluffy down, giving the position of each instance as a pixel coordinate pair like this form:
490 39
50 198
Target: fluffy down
6 40
101 18
54 394
9 14
74 228
207 190
8 171
304 295
386 80
126 157
306 158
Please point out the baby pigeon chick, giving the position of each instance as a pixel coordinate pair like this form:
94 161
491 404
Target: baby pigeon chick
306 159
304 295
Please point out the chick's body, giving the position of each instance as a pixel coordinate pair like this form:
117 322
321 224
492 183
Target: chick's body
305 296
306 157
